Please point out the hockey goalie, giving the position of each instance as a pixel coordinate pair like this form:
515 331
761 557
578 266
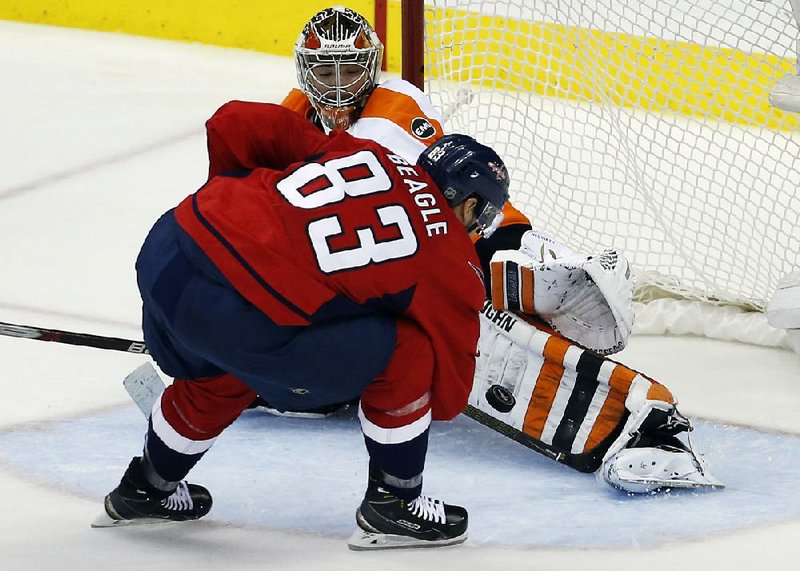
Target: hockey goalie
543 380
535 381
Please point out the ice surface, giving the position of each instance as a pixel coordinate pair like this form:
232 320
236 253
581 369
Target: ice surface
266 471
101 134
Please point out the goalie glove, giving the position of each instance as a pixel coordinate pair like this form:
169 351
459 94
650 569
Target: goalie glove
588 299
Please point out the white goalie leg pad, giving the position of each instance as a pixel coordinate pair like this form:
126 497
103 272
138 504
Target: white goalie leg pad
643 470
511 365
510 356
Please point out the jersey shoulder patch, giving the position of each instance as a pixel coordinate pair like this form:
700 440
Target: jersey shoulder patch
402 104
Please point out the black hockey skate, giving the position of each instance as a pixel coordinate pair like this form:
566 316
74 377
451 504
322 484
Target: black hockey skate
136 501
388 522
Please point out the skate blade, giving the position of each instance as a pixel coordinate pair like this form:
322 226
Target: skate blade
104 520
651 486
294 414
364 541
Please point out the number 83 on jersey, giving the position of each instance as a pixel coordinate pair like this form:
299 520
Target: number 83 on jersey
359 174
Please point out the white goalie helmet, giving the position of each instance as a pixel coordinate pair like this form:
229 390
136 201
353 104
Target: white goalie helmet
338 58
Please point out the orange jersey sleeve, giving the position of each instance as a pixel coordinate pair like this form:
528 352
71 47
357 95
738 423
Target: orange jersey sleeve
401 118
297 101
513 216
397 115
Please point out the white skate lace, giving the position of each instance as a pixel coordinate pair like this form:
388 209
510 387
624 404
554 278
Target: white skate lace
428 508
180 500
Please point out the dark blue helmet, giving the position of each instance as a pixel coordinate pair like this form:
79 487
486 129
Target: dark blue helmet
463 168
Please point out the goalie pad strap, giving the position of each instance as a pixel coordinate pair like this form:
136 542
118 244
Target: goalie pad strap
512 286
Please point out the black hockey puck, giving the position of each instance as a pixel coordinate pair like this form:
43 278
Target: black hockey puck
500 398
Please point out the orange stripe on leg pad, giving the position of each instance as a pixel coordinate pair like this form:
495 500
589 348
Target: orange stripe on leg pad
608 419
546 387
621 378
614 408
657 391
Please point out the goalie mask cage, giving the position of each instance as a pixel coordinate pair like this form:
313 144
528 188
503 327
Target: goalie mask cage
639 124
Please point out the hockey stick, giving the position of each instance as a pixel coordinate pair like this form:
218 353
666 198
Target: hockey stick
149 385
72 338
144 385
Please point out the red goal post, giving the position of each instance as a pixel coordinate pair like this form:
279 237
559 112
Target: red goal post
413 26
639 124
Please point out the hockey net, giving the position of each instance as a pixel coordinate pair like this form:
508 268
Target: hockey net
643 125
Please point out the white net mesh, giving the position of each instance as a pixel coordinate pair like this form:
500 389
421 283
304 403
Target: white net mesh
639 124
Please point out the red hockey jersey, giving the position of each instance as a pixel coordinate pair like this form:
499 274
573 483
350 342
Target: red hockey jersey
329 216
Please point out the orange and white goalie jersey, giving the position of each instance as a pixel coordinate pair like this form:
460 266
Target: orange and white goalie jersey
557 398
397 115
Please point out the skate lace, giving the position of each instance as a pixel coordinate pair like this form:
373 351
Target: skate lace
180 500
429 509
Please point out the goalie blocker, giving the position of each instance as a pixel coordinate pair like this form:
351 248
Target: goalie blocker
581 409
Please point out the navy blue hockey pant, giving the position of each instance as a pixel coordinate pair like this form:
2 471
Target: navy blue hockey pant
222 351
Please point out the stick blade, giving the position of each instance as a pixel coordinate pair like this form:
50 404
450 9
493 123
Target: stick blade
144 385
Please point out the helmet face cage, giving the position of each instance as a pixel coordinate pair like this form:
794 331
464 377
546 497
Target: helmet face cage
338 57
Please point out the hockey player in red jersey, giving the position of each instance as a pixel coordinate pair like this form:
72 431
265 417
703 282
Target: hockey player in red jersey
579 303
338 57
336 270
